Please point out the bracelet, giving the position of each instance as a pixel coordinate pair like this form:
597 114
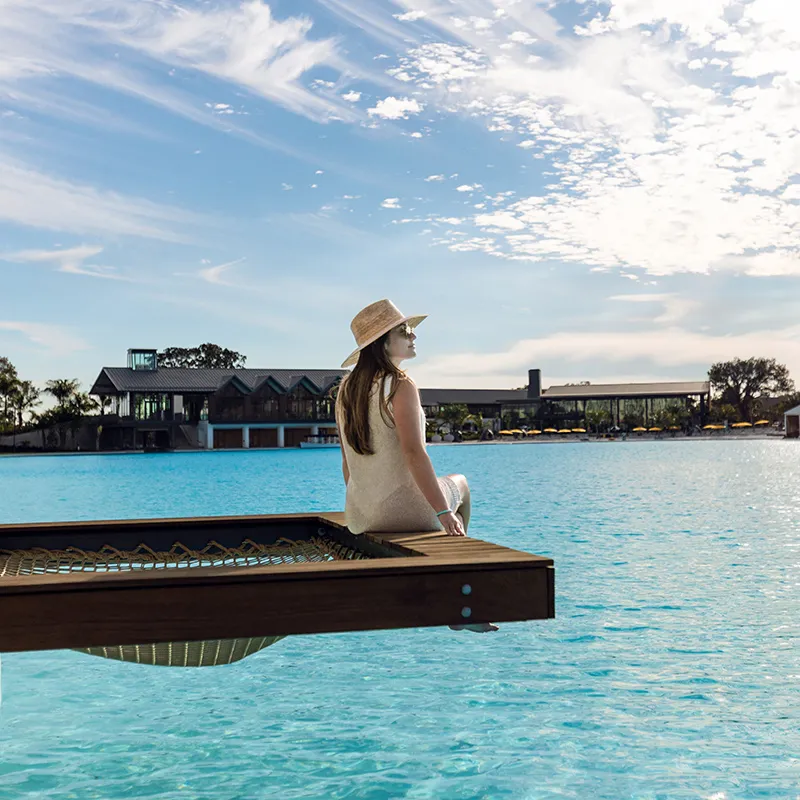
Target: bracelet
446 511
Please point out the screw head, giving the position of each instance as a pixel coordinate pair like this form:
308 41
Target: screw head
466 612
466 589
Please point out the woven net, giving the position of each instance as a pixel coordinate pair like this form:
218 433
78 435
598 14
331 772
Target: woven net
40 560
208 653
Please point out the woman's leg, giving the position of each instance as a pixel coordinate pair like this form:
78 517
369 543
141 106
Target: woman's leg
465 509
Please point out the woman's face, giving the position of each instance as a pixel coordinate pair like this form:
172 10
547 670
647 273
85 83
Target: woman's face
400 344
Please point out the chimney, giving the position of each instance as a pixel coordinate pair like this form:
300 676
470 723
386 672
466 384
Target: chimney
534 384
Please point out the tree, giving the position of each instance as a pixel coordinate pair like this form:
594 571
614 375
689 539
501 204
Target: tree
62 389
8 384
741 382
597 418
632 419
210 356
24 399
453 414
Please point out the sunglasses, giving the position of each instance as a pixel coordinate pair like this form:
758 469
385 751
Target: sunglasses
405 330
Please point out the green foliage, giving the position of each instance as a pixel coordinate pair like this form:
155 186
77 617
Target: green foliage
24 399
210 356
453 415
721 412
62 389
597 419
513 419
741 382
8 384
632 419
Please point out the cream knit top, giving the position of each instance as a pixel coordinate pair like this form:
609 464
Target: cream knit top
382 495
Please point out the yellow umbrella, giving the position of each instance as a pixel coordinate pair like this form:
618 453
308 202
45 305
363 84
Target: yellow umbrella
505 433
550 430
762 422
533 433
655 430
709 427
741 425
579 430
674 427
515 430
637 430
564 430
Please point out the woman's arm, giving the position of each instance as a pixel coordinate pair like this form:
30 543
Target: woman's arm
345 470
407 408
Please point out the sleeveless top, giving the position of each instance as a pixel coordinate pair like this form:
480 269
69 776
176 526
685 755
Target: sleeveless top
382 494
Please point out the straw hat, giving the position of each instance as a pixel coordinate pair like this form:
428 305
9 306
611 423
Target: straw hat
372 322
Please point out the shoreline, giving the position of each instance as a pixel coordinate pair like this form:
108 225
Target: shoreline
760 437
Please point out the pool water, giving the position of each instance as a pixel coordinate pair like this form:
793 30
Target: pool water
671 670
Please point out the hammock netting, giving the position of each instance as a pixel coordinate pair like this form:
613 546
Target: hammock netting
208 653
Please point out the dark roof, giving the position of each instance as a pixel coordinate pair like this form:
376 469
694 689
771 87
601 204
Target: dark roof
188 380
673 389
471 397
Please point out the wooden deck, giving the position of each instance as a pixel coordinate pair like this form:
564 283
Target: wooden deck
410 580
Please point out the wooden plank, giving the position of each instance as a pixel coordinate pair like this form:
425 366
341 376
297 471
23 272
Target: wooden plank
125 614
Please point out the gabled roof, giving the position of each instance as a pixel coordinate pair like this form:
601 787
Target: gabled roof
187 380
670 389
793 411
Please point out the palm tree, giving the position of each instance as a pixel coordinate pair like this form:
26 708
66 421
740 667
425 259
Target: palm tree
454 414
62 389
8 383
24 399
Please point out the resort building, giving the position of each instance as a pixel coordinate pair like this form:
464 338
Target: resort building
619 404
146 406
175 407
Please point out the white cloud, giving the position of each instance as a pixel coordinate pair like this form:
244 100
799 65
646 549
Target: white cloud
69 260
434 178
651 164
391 202
351 97
395 108
675 307
411 16
54 338
34 199
500 219
121 45
468 187
214 274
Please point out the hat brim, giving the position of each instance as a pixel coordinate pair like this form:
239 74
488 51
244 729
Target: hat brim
353 357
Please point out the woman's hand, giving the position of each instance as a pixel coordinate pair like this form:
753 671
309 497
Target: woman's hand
452 524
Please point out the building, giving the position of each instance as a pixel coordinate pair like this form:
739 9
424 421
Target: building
175 407
619 404
791 423
147 406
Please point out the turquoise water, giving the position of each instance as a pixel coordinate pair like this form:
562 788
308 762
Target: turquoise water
671 671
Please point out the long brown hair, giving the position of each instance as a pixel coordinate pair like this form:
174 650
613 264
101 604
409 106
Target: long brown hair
352 399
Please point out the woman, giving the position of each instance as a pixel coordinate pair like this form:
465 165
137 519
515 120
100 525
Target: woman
391 483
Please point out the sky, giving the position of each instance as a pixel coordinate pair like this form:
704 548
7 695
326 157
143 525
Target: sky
607 190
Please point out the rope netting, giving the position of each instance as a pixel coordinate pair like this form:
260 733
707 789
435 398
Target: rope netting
41 560
208 653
